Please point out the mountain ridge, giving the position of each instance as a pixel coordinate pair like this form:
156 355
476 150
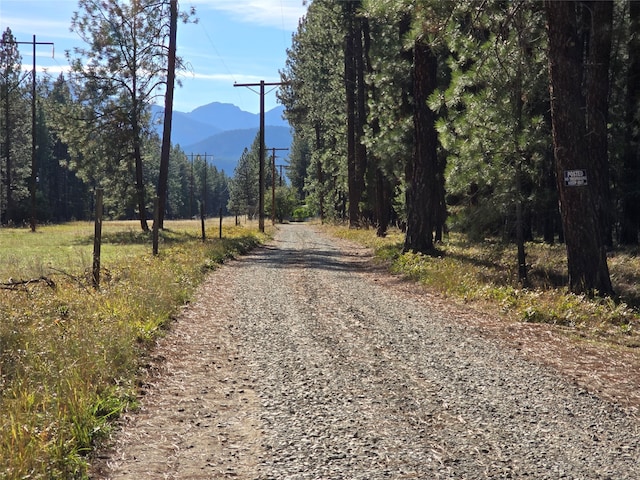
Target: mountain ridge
227 146
222 130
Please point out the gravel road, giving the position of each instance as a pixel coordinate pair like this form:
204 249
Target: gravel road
299 362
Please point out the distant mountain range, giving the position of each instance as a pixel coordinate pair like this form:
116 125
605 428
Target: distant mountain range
224 131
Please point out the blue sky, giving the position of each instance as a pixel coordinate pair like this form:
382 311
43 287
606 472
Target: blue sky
241 41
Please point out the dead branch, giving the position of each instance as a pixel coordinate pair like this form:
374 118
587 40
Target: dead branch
14 284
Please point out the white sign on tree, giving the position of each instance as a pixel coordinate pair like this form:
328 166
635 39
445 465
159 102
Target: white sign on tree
575 178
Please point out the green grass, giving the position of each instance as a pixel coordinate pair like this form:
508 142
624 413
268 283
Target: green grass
486 274
70 355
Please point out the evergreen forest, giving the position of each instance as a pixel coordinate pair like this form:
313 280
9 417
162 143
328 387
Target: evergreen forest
93 126
514 121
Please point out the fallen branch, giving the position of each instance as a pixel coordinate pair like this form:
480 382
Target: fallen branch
82 283
14 284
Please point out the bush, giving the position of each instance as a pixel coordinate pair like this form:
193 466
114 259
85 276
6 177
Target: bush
301 213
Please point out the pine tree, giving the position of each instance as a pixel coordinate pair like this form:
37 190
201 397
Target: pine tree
299 160
586 256
630 181
16 132
119 74
314 97
243 187
424 173
355 93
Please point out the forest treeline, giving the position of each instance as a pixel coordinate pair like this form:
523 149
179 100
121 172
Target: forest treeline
517 120
93 126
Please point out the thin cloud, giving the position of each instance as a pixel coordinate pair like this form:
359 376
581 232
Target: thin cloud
23 28
51 71
227 78
56 70
282 14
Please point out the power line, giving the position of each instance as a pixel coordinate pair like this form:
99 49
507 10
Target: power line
34 158
273 183
220 57
218 53
262 84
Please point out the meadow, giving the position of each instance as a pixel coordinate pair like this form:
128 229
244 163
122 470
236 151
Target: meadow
70 355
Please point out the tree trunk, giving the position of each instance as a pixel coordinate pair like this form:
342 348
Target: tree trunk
630 219
586 256
350 84
522 254
550 201
381 195
361 155
600 17
137 154
7 149
441 216
168 115
382 204
518 104
421 171
320 175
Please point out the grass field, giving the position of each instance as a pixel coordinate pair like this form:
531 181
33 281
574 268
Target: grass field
69 247
69 354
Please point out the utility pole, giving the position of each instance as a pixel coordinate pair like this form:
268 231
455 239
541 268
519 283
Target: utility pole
191 201
34 158
262 84
281 166
168 117
203 203
273 184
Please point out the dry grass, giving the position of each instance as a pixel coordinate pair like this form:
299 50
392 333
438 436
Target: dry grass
69 355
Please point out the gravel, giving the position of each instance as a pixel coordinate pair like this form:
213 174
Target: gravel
346 377
359 382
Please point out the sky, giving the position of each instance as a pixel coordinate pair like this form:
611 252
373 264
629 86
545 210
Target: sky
234 41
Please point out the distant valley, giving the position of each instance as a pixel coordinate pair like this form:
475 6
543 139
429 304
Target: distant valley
224 131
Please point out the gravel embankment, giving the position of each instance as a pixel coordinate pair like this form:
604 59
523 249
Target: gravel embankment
336 375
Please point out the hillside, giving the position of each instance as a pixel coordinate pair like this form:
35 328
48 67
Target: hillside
223 130
227 146
185 128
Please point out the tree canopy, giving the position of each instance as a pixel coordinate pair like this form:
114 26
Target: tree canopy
430 116
457 131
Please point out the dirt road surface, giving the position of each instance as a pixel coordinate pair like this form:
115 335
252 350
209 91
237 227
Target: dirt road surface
303 361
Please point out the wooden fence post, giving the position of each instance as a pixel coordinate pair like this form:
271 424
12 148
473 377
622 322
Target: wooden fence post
220 222
204 235
97 239
156 223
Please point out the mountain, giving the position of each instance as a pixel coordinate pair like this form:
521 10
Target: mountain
275 117
224 130
224 116
227 147
184 128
